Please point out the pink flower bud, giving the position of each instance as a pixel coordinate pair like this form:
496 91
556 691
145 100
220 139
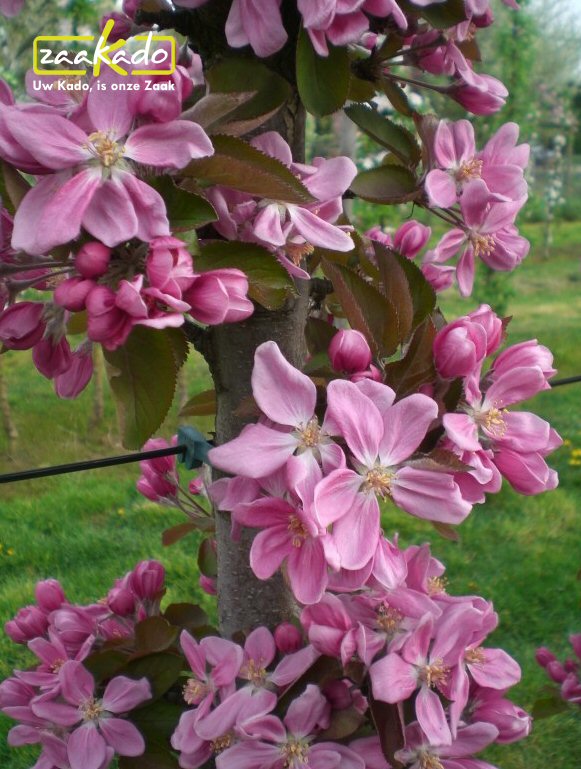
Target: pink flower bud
29 623
15 693
207 584
130 7
523 355
543 656
196 486
411 237
513 723
380 236
122 27
338 694
146 579
571 666
459 348
72 293
120 598
22 325
571 689
439 276
556 671
349 351
575 641
74 624
371 373
219 296
491 323
52 357
288 638
93 259
73 381
49 595
485 99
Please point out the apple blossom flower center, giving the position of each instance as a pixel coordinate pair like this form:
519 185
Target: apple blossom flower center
378 480
388 619
310 435
55 666
470 170
435 673
297 531
256 672
429 761
91 710
493 421
475 656
296 753
296 252
105 148
221 743
194 691
483 244
436 585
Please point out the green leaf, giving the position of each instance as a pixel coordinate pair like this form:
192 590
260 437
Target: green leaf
416 368
161 669
445 15
235 74
143 375
155 757
214 109
397 96
201 405
207 559
269 283
237 164
385 132
154 634
323 82
176 533
386 184
366 309
423 296
105 664
395 286
319 334
548 706
188 616
158 721
185 210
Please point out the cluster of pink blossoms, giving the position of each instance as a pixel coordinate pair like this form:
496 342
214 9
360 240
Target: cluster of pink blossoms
481 194
568 673
77 723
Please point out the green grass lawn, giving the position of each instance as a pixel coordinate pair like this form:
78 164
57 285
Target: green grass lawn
521 553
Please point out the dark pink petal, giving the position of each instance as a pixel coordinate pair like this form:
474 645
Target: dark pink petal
269 549
356 534
260 646
432 718
111 216
226 658
405 426
86 748
283 393
53 140
249 755
392 679
123 736
264 512
77 684
306 713
471 739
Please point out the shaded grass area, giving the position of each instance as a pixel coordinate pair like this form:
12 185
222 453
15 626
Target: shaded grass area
521 553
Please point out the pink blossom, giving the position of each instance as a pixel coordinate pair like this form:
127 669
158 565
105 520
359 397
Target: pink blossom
219 296
485 98
147 580
22 325
49 595
288 638
92 259
455 755
71 382
349 351
90 183
381 436
95 721
30 622
490 706
459 348
159 479
411 238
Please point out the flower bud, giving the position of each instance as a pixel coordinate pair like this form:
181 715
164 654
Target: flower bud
49 595
459 348
73 381
349 351
207 584
485 99
22 325
338 694
491 323
229 285
524 355
288 638
513 723
371 373
52 357
122 27
556 671
411 237
121 599
93 259
575 641
30 622
543 656
72 293
146 579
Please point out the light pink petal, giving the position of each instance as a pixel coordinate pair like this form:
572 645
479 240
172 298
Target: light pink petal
429 495
462 430
246 704
123 694
225 656
307 712
283 393
497 671
307 571
86 748
465 271
77 684
444 147
335 495
441 189
249 755
416 646
260 646
514 386
432 718
264 512
317 231
194 654
356 534
269 549
392 679
272 143
107 112
292 666
471 739
405 426
381 395
331 179
258 451
258 23
357 418
149 207
168 145
111 217
123 736
56 712
53 140
267 226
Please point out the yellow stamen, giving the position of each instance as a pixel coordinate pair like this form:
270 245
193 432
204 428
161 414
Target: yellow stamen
194 690
470 170
483 244
297 530
493 421
105 148
310 435
221 743
475 656
437 585
296 252
91 710
389 619
295 752
429 761
378 480
434 674
256 672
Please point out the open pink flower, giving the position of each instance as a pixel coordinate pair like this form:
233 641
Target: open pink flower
455 755
95 722
91 182
381 436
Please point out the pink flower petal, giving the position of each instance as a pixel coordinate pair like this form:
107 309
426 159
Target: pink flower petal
357 418
123 694
168 145
432 718
405 426
392 679
258 451
123 736
86 748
